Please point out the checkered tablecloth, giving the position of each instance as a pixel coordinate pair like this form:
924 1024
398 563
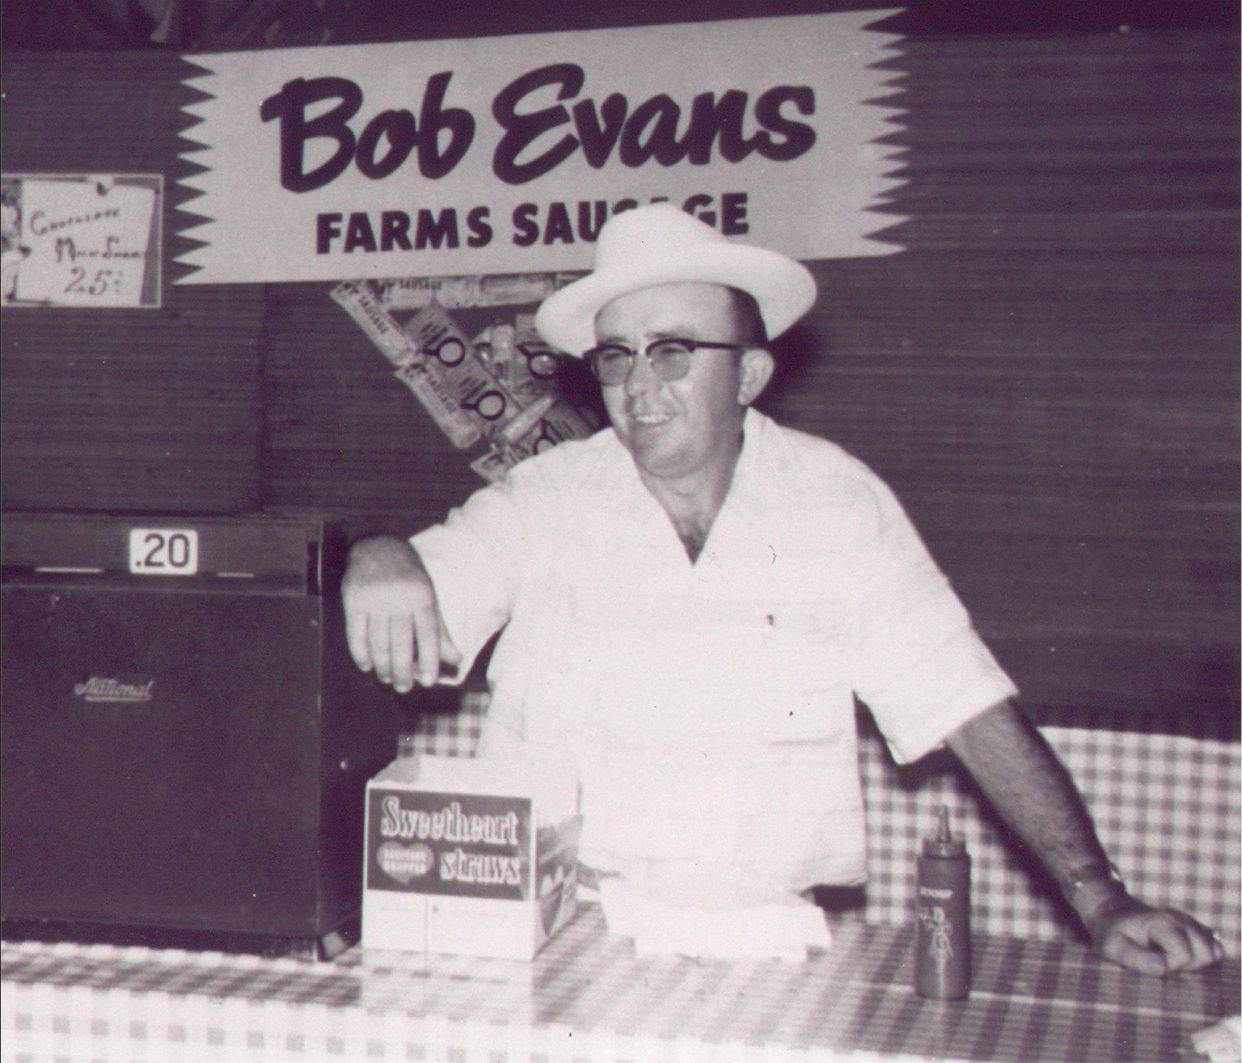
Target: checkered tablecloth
1166 807
588 997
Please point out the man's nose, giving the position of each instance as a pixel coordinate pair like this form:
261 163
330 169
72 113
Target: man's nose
642 375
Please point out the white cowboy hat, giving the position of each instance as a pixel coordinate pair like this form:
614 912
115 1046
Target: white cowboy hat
661 244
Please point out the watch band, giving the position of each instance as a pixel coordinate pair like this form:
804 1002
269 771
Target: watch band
1089 874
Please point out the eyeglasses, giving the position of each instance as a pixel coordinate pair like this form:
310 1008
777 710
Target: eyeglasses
669 359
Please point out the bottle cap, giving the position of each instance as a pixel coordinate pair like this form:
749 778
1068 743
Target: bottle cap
943 844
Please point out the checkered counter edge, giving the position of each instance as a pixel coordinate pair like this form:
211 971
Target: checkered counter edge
588 997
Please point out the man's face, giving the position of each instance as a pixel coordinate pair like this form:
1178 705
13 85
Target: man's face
680 427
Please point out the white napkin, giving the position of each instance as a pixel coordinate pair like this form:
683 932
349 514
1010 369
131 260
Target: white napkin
773 930
1222 1042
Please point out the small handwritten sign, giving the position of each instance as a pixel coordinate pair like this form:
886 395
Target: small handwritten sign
81 240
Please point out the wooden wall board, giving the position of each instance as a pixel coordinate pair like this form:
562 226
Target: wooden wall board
1048 375
136 409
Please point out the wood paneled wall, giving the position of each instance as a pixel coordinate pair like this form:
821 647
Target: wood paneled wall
123 409
1047 375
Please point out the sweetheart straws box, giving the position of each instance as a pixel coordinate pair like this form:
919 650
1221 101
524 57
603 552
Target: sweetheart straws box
469 856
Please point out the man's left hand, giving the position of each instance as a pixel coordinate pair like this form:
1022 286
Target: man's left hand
1152 940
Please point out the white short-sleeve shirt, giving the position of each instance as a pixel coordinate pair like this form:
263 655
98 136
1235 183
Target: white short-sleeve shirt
709 706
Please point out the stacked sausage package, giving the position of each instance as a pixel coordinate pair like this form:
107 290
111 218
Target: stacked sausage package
468 856
501 388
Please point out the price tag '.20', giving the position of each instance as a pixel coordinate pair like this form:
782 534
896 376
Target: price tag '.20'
163 551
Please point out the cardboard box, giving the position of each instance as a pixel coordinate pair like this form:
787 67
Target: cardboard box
468 856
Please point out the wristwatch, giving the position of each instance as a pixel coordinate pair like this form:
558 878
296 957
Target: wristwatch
1111 897
1089 874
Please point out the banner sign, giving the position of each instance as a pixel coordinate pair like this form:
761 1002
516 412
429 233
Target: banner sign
506 154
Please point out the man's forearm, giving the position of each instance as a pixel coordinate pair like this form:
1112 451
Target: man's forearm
1030 789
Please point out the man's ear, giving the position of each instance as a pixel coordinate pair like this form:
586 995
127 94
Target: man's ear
755 371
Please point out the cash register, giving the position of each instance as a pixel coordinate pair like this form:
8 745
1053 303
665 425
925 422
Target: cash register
185 740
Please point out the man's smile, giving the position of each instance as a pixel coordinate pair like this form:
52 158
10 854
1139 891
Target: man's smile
651 420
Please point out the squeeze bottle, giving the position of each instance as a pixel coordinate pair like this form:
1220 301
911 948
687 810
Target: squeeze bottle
942 924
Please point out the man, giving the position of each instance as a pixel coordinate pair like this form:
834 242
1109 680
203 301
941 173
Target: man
691 600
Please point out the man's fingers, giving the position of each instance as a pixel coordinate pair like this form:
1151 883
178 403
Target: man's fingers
1204 948
401 651
356 637
427 639
1198 945
449 653
1219 952
379 644
1172 938
392 619
1122 950
401 642
1160 943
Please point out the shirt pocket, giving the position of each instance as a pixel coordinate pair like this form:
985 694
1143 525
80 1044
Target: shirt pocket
801 667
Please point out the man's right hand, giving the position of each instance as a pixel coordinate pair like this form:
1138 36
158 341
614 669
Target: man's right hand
392 617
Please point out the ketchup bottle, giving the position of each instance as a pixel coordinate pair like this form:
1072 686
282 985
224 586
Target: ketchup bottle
942 925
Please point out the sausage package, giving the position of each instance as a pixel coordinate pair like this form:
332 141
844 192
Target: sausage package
474 857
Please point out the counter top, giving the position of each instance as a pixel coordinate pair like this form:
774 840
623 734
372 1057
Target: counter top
587 996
